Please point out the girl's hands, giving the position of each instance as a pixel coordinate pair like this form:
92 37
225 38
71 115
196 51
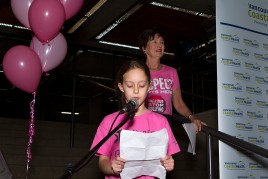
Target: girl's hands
168 163
118 165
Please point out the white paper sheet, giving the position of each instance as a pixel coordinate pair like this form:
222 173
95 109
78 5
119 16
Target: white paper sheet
142 152
191 132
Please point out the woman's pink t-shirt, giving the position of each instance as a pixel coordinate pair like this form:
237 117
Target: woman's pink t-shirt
164 81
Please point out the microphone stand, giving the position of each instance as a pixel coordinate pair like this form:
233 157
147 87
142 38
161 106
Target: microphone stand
73 169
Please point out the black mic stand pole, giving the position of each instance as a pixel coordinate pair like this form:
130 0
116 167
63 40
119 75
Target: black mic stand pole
71 170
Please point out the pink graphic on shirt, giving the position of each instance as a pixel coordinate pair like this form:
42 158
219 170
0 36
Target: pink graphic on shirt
156 103
162 84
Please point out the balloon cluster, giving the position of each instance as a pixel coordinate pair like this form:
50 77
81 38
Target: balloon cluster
22 65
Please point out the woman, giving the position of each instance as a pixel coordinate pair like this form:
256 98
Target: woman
165 88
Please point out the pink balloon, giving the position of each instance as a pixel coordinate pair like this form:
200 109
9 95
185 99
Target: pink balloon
46 18
71 7
52 53
20 9
22 68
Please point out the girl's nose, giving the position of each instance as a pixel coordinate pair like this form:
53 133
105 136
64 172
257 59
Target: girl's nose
136 90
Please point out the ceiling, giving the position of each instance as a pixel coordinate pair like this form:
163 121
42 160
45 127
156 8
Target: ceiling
94 58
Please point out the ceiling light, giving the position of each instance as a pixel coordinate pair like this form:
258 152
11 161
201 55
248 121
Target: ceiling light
182 10
120 20
6 25
87 15
14 26
129 46
118 44
69 113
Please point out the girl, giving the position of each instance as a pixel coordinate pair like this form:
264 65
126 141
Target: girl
133 81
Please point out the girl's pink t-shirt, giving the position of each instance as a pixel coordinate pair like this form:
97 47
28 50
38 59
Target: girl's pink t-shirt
148 122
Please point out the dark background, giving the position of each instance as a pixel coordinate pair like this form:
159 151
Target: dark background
83 82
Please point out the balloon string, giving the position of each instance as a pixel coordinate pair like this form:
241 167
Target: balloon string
45 59
30 133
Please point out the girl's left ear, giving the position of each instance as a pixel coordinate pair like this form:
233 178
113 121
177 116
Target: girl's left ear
120 87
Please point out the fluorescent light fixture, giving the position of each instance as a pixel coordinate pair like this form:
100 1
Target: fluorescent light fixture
14 26
182 10
96 77
168 53
88 14
21 27
76 113
210 55
120 20
118 44
202 45
129 46
6 25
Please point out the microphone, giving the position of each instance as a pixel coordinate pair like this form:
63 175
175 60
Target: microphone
132 105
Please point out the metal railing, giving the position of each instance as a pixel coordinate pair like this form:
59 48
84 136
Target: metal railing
243 146
256 152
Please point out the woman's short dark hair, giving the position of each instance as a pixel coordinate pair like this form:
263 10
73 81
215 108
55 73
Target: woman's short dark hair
147 35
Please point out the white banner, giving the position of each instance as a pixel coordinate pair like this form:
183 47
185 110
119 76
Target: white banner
242 72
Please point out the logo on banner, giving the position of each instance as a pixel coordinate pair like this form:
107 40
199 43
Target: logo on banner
262 128
262 104
255 115
255 166
232 87
265 69
265 46
230 38
240 52
231 62
256 140
258 14
251 66
244 126
243 101
241 76
251 90
261 80
251 43
261 57
240 136
234 113
235 165
246 177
